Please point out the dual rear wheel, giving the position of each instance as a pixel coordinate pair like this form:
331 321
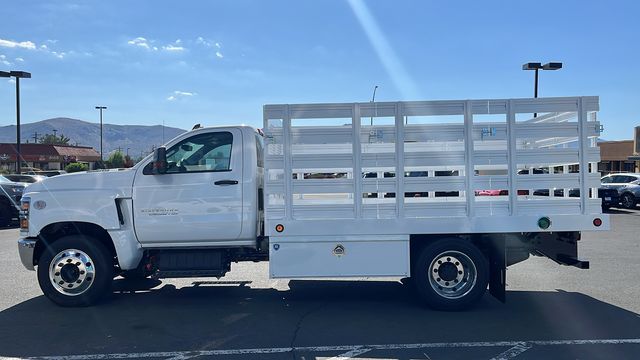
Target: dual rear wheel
450 274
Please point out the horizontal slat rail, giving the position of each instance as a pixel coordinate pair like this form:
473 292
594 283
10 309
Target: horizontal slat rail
341 163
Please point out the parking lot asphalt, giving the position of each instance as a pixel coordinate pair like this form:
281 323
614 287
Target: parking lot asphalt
552 312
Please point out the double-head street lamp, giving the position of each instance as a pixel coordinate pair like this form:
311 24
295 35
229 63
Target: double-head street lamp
538 66
18 75
101 108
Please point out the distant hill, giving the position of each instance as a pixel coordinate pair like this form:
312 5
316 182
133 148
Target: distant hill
138 138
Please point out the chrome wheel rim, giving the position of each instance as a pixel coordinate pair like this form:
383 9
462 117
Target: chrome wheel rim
72 272
452 274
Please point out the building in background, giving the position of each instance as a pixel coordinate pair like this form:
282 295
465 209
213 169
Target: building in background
620 156
46 156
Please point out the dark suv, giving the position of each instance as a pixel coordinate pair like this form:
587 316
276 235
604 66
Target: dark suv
10 194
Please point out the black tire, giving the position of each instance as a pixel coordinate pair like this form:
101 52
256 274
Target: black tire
469 292
98 287
628 201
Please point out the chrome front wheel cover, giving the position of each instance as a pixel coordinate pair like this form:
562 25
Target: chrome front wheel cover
452 274
72 272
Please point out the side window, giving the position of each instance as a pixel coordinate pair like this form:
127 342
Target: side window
617 179
606 180
199 153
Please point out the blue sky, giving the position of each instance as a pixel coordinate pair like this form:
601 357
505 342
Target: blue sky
218 62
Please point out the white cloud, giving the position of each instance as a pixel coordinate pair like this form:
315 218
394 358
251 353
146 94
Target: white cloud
148 44
14 44
141 42
29 45
12 81
172 48
180 94
4 61
211 44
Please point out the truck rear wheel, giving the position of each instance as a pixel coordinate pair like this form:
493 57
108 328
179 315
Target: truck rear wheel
75 271
451 274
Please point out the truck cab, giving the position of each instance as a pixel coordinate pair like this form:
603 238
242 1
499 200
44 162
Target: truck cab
204 199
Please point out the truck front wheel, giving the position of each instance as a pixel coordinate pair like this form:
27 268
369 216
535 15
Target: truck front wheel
75 271
451 274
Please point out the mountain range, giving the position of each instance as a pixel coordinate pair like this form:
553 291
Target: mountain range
138 139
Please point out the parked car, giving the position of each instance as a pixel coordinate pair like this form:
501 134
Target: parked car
10 194
25 178
627 186
610 197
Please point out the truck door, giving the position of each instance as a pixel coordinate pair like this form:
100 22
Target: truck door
199 199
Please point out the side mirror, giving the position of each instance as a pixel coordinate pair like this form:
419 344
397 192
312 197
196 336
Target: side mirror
160 161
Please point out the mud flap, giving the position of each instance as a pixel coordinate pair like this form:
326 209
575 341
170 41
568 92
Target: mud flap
498 268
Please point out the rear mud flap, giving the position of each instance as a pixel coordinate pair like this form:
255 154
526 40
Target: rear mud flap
498 269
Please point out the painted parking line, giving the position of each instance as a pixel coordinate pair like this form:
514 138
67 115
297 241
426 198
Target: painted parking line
350 354
513 351
349 349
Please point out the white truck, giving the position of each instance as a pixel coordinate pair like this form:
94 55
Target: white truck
445 194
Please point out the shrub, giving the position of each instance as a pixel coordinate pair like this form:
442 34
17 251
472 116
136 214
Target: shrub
75 167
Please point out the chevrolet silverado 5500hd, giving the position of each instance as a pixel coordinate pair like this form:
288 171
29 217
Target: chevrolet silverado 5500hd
387 189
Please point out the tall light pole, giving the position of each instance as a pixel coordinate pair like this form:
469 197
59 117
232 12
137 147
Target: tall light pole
373 100
18 75
101 108
537 66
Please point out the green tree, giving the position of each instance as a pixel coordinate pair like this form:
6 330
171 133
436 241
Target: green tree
115 160
75 167
54 139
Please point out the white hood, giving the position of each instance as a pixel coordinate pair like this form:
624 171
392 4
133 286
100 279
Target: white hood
120 180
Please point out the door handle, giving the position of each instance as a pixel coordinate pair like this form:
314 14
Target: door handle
226 182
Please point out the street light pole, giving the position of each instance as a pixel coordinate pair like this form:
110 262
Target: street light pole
537 66
373 100
18 156
101 108
18 75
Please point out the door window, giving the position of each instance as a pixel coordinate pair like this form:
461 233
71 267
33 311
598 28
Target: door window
199 153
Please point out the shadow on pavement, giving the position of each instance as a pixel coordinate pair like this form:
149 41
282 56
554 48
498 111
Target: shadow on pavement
224 315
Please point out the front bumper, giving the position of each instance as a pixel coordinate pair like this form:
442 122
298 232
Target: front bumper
26 248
